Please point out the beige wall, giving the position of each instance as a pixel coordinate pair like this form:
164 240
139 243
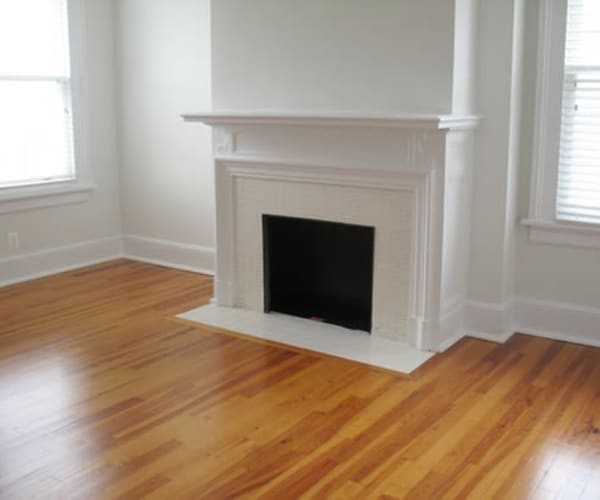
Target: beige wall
166 168
383 56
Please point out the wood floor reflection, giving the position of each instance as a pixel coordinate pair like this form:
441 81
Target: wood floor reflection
104 395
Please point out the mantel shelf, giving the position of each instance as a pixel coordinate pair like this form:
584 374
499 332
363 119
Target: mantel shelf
406 121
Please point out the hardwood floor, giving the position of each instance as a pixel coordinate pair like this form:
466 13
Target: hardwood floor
104 395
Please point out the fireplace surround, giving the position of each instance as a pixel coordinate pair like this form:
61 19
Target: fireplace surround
408 177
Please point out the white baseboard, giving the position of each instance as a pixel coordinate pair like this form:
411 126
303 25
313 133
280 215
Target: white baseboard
489 321
558 321
24 267
19 268
553 320
448 343
183 256
439 335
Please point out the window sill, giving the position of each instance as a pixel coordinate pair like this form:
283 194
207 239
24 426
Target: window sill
23 198
563 233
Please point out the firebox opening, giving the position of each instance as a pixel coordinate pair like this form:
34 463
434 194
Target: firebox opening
319 270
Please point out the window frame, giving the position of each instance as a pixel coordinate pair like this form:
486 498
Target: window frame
34 195
544 227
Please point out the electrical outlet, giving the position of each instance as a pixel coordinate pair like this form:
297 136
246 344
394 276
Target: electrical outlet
13 241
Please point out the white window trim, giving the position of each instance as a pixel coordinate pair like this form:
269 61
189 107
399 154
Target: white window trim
542 222
78 190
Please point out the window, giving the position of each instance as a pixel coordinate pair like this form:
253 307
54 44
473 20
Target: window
565 184
39 143
578 190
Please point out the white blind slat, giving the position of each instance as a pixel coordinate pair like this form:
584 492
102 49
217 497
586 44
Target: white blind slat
578 189
36 124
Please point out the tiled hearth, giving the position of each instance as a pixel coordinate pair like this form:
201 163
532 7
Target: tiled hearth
313 336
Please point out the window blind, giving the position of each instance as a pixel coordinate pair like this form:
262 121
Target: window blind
36 129
578 190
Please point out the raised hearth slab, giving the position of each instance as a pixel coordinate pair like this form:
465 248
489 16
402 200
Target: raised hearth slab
314 336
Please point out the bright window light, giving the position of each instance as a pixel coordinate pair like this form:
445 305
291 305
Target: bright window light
578 191
36 128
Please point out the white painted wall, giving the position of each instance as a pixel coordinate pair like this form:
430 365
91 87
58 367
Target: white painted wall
43 229
166 167
497 147
515 284
349 55
547 272
466 36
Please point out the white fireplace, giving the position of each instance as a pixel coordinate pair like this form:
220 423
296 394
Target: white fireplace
409 177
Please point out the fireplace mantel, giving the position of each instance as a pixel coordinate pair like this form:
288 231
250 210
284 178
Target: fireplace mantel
407 175
320 119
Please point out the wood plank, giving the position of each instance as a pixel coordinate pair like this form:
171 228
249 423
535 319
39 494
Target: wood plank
104 394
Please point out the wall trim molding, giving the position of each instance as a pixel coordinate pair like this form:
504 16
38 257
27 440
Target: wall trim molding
25 267
184 256
448 343
547 118
543 86
495 322
51 194
558 321
187 257
564 233
423 275
489 321
218 118
553 320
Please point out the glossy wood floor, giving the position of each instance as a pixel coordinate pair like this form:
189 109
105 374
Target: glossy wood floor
104 395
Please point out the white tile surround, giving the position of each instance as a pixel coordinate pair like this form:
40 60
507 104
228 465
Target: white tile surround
408 176
313 336
393 238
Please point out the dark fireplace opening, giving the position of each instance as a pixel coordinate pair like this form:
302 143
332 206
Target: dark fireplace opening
319 270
